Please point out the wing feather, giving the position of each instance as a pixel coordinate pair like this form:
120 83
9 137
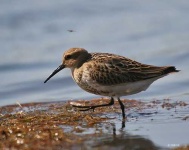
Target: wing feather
109 69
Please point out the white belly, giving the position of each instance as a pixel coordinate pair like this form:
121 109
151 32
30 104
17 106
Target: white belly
120 89
125 88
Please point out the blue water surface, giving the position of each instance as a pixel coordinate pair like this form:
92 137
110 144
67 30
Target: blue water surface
34 34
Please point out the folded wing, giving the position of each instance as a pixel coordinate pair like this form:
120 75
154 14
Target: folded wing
118 70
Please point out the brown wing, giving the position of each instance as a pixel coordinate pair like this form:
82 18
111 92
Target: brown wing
116 69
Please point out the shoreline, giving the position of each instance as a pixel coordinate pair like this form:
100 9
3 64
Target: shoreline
57 125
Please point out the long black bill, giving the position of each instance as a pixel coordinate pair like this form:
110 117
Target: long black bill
55 72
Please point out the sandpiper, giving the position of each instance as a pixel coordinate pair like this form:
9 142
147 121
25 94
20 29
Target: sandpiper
109 74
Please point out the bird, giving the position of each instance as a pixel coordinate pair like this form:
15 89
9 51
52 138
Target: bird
109 75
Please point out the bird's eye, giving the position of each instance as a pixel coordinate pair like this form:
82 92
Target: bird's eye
68 57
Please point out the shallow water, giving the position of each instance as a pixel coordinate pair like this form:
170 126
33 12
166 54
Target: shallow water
34 34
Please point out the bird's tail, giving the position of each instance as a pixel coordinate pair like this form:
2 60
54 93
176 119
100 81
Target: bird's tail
170 69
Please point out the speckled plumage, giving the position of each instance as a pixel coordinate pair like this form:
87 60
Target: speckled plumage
109 74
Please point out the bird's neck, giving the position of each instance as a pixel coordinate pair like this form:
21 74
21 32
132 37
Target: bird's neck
82 60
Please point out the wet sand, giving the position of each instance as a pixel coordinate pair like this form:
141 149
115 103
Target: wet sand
159 124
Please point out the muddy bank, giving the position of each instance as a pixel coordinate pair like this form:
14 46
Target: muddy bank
58 125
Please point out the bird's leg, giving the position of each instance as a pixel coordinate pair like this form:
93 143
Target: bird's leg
93 107
122 109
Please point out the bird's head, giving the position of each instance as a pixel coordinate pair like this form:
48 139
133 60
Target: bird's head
72 58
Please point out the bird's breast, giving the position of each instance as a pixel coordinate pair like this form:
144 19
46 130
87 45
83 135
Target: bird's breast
86 82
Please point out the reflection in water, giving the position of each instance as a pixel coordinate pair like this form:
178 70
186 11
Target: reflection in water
122 140
89 131
34 37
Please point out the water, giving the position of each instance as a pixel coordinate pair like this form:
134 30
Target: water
34 34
